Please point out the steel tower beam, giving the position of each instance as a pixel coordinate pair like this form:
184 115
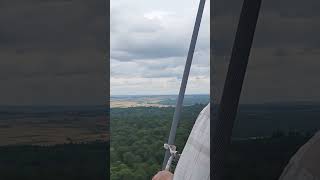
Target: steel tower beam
178 108
222 126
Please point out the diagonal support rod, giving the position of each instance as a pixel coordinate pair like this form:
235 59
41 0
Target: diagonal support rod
223 125
177 112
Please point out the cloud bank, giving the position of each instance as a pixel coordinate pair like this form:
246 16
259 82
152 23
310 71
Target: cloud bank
149 45
284 61
53 52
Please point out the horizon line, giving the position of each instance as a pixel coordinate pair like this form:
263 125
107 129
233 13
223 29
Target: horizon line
157 94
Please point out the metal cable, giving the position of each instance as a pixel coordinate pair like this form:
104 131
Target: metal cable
177 112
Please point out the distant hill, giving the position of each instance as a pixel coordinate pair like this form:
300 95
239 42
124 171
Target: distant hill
125 101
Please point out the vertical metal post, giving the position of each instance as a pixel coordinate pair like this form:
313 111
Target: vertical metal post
177 112
223 125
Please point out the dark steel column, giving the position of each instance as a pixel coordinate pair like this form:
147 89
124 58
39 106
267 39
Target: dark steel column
223 125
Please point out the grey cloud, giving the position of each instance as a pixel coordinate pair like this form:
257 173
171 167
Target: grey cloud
283 64
53 24
286 8
273 29
280 52
135 37
149 43
50 49
148 51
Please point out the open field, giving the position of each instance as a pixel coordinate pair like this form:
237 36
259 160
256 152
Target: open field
48 126
54 142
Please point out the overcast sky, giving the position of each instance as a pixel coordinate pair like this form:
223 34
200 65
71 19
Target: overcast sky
284 62
53 52
149 45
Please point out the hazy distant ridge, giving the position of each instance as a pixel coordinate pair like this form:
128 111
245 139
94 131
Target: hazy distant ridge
155 100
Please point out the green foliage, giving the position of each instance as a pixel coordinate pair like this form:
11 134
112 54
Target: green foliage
138 135
262 143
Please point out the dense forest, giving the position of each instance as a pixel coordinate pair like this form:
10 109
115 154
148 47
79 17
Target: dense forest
137 138
70 161
262 145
